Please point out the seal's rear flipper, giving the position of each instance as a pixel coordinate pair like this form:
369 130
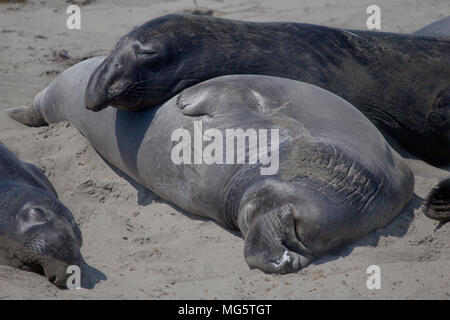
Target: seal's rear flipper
437 202
29 116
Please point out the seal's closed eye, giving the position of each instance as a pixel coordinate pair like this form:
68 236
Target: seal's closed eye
38 214
146 53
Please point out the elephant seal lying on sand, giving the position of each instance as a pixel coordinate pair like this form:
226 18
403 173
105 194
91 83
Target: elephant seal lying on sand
400 82
37 232
337 181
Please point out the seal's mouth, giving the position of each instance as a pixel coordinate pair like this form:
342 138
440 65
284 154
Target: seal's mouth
51 250
96 96
55 270
33 257
127 98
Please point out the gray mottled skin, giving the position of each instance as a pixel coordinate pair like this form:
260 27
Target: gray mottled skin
338 179
37 232
400 82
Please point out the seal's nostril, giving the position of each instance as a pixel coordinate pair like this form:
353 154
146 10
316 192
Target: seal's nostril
116 65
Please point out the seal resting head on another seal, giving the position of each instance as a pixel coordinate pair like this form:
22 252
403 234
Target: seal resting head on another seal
400 82
336 179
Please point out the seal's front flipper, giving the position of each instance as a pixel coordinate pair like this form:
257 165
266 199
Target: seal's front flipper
227 97
271 244
29 116
194 102
437 203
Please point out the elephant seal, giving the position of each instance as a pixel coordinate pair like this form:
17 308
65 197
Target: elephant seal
400 82
437 203
337 178
37 232
439 28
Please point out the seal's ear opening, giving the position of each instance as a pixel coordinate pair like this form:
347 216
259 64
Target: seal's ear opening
437 202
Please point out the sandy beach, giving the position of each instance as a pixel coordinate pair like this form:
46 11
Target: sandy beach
138 246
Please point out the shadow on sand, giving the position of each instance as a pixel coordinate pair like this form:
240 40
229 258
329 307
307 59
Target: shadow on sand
90 276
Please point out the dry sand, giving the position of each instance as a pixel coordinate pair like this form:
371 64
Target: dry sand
138 246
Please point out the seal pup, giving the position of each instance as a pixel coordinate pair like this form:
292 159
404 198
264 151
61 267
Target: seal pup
37 232
400 82
337 178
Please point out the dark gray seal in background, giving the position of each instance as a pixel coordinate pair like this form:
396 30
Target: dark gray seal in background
37 232
338 179
439 28
400 82
437 203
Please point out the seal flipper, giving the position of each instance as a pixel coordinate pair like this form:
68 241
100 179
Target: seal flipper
193 104
28 115
271 243
437 202
195 101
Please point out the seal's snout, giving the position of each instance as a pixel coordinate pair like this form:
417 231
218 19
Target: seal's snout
57 247
96 94
95 100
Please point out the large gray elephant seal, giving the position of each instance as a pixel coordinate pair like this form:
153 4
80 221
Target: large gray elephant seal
37 232
400 82
337 178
